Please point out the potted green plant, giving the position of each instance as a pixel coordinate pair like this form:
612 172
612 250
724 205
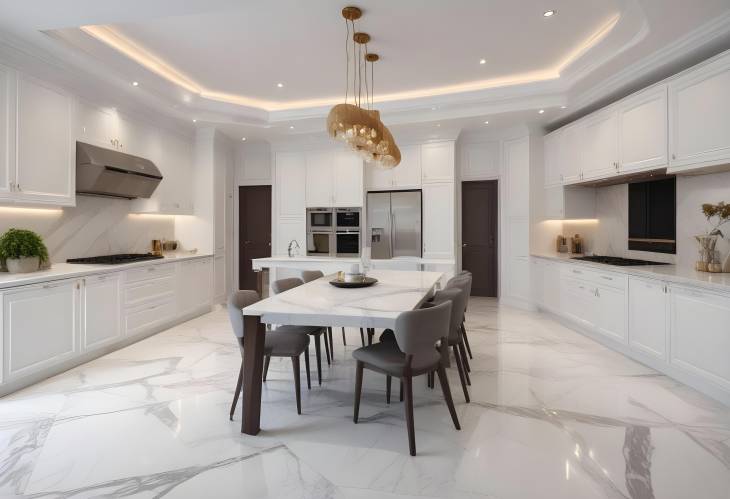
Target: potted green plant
22 250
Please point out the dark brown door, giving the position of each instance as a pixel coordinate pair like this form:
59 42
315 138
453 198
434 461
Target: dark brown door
479 215
254 230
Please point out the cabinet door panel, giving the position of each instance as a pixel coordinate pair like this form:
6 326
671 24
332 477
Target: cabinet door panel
600 145
95 125
648 317
438 220
40 326
101 311
45 164
7 173
378 179
319 181
611 313
348 173
699 115
700 337
643 130
407 175
290 177
570 153
553 172
437 162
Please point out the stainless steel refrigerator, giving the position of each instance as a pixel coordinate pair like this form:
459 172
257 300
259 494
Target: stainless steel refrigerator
394 224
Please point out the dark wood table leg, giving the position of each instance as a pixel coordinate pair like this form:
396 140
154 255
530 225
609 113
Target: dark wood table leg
253 368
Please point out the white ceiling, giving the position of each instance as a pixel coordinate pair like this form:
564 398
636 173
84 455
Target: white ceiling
219 60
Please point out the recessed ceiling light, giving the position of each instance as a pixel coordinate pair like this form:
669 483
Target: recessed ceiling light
482 61
280 85
135 83
549 13
291 127
438 124
486 123
541 111
194 120
563 107
434 108
243 139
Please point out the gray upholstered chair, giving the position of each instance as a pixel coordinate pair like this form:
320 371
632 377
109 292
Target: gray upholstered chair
280 343
467 278
313 275
283 285
411 354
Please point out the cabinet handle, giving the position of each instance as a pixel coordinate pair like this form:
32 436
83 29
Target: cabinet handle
607 278
577 271
150 269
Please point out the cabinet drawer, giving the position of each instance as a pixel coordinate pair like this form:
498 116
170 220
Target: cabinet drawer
152 289
149 272
597 277
142 319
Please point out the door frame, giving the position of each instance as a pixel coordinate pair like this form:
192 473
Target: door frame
236 225
460 222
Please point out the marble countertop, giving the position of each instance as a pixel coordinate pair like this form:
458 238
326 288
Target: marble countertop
71 270
669 273
318 303
330 259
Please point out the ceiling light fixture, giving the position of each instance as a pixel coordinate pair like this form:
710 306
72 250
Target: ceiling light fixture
280 85
291 127
358 124
243 139
135 83
194 120
549 13
482 61
541 111
563 107
486 123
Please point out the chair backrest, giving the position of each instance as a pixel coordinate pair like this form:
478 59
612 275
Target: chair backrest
311 275
285 284
237 301
417 331
457 296
461 281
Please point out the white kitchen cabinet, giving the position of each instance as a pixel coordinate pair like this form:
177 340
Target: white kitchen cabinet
437 162
569 203
610 313
570 153
551 285
219 273
642 126
552 147
407 175
699 333
537 278
319 185
290 176
7 137
648 316
479 160
517 166
599 139
288 230
699 116
101 306
40 325
438 220
95 125
194 286
578 301
348 179
45 169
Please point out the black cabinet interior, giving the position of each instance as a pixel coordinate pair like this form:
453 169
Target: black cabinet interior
652 216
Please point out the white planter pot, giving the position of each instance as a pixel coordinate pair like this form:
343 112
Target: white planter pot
23 264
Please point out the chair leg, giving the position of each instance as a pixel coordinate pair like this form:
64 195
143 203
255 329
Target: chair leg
388 381
460 368
358 390
306 365
332 344
401 390
466 340
297 384
326 347
408 383
239 383
318 354
462 354
371 333
344 339
267 359
446 390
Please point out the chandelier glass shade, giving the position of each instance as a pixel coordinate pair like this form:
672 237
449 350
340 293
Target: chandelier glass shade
357 126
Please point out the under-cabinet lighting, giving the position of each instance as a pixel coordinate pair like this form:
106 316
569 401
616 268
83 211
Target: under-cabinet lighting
30 211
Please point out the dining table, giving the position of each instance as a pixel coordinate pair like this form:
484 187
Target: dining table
319 303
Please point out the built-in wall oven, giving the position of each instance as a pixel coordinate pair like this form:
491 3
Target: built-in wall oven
320 220
347 232
347 219
320 243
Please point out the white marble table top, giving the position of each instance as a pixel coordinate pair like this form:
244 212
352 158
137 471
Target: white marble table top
318 303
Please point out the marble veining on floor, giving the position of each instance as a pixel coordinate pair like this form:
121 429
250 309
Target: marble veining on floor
553 415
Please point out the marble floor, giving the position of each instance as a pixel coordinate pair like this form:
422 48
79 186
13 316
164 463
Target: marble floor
553 415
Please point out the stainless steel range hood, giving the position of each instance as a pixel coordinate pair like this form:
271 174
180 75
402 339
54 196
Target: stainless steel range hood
104 172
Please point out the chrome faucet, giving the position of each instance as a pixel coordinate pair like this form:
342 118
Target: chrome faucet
293 245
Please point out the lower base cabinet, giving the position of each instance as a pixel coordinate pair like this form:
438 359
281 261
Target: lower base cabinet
648 316
194 285
40 325
101 310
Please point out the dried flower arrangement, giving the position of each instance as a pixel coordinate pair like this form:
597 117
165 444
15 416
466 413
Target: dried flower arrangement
721 211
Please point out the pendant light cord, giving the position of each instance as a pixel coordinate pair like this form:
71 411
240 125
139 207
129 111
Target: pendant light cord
347 60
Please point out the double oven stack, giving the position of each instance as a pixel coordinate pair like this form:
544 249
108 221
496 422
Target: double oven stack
333 232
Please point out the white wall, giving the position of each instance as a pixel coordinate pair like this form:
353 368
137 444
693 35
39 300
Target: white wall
610 234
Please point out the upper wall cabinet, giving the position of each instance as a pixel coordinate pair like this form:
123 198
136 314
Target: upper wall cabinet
437 162
642 128
699 116
333 178
45 155
95 125
407 175
479 161
6 138
599 145
290 176
553 172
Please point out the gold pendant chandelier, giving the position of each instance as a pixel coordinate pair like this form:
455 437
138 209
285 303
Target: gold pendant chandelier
360 127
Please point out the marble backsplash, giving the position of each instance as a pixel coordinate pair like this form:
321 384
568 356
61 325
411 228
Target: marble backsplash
95 226
609 236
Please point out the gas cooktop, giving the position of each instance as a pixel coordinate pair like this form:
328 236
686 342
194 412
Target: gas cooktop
115 259
615 260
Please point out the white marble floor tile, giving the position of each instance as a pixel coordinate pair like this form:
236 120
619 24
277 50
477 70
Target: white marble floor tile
553 415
